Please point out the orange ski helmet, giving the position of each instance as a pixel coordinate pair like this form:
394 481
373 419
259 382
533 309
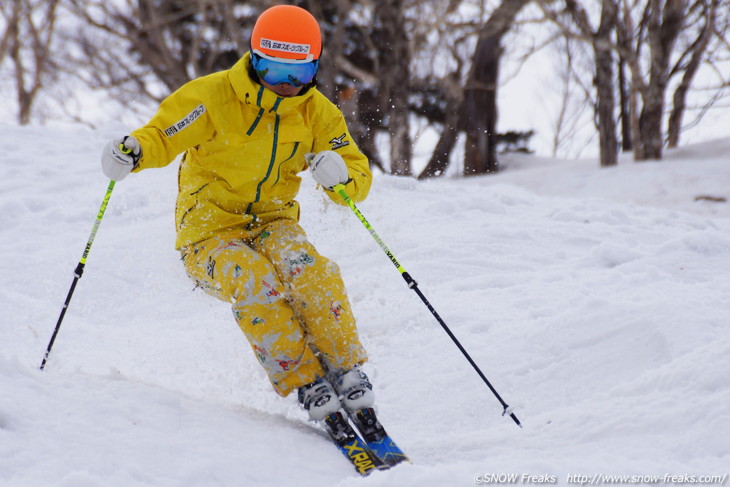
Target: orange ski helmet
287 32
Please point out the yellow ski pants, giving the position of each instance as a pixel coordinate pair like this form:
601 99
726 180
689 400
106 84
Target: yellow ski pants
288 300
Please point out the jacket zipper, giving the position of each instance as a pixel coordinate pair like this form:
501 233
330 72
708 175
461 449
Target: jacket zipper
273 151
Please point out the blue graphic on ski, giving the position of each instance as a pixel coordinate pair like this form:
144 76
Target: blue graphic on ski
377 439
352 446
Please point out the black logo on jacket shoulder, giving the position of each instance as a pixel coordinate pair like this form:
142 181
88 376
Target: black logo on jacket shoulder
340 141
186 121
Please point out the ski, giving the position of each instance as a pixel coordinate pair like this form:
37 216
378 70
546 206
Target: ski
352 446
377 439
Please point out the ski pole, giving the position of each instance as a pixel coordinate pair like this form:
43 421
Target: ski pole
340 189
79 270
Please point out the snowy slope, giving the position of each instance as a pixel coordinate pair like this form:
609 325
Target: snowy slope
595 300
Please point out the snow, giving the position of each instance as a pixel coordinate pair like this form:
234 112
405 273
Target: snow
595 300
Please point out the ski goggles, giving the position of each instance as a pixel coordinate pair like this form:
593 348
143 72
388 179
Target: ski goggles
275 72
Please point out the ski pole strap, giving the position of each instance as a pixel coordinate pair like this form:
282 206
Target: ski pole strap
340 189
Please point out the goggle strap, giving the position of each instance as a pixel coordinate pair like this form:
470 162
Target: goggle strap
308 59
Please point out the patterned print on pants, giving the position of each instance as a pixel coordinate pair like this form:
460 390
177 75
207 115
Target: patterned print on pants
288 300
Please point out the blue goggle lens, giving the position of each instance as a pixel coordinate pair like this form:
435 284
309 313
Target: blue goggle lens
274 72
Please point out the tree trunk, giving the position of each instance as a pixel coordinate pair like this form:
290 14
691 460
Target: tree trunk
394 57
605 105
334 41
679 100
634 95
28 40
370 116
624 96
650 126
480 108
603 79
440 157
480 91
664 26
605 99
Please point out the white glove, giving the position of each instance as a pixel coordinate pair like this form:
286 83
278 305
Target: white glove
328 168
120 156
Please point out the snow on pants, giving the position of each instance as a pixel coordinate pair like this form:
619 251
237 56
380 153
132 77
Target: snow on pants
288 300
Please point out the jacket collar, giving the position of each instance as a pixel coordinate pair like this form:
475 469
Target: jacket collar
250 92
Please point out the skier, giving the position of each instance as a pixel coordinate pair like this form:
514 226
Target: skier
246 133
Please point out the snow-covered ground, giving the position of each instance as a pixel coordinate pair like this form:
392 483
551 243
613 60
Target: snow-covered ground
595 300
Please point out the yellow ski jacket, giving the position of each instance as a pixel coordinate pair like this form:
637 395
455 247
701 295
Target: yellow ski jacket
245 146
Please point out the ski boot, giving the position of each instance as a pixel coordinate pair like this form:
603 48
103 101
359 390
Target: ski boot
354 389
319 399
